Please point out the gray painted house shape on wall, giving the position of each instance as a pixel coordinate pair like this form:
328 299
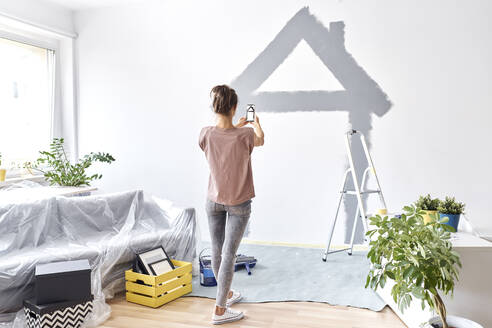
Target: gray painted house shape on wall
361 98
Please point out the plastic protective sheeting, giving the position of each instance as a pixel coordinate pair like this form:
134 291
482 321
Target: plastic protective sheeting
105 229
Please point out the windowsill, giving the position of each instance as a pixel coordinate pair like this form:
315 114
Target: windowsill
42 191
11 180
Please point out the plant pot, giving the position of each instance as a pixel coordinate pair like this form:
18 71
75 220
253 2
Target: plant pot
3 173
455 322
427 216
454 220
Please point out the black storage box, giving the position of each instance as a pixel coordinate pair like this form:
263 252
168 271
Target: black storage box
62 282
57 315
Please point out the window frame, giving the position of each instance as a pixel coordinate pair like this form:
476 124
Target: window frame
39 41
49 44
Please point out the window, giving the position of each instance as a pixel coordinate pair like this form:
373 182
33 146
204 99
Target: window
26 101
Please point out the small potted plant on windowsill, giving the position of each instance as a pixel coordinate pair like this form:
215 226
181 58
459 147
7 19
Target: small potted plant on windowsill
3 172
451 209
58 170
419 260
429 207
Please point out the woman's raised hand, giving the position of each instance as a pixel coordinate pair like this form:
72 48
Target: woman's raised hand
242 122
259 135
257 121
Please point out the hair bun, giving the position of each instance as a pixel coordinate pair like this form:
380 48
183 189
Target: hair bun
224 99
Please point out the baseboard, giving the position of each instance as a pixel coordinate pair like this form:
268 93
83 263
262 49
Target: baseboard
302 245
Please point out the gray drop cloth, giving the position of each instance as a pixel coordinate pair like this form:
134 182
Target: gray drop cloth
299 274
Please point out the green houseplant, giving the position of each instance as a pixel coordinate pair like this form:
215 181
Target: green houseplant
58 170
451 209
429 206
417 256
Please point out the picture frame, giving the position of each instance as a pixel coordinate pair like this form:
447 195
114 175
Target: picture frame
161 267
153 256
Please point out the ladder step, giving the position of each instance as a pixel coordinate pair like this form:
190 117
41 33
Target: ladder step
353 192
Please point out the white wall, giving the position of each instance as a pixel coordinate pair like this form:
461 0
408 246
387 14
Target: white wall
146 71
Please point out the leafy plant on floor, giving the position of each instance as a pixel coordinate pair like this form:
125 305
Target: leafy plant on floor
427 203
417 256
58 170
451 206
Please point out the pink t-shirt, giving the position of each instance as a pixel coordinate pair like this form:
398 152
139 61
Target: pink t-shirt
228 152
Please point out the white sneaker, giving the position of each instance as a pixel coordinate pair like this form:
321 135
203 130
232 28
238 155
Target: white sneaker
236 297
228 316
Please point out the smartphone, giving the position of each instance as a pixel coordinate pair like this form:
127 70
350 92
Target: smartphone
250 113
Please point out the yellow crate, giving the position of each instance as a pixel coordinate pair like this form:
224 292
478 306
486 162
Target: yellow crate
159 290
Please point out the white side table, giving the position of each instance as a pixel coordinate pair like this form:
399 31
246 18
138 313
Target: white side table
473 292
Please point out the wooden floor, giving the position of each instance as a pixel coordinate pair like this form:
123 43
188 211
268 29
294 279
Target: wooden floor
187 312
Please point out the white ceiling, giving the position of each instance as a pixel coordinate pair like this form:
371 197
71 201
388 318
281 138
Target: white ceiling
89 4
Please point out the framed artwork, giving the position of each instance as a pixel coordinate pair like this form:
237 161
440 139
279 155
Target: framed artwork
154 256
161 267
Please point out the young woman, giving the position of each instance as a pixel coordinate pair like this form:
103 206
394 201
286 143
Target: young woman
228 150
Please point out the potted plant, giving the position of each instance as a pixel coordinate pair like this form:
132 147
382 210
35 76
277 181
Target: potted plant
429 207
58 170
451 209
3 172
419 259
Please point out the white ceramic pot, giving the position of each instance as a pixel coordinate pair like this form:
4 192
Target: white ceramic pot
456 322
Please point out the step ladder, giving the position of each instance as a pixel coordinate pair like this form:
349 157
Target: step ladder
358 192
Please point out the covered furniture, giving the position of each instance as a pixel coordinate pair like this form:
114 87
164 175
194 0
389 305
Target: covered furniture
105 229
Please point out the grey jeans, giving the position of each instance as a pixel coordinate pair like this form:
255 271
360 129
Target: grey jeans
227 225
